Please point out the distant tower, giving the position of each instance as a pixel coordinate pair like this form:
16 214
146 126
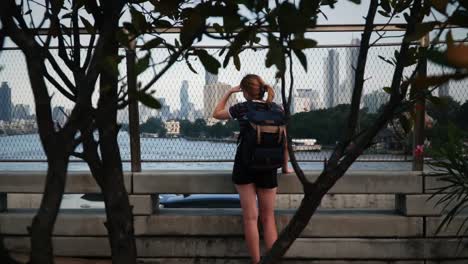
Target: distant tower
184 100
210 78
5 102
332 78
212 93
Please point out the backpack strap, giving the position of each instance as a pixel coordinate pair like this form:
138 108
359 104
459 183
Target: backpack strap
281 133
259 133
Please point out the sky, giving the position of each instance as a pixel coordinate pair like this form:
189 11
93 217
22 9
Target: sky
345 12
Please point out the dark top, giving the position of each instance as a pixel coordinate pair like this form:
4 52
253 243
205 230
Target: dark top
239 111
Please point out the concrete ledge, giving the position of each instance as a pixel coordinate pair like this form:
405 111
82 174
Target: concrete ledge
431 183
432 223
144 204
325 248
226 222
418 205
324 224
459 261
197 260
68 224
33 182
354 182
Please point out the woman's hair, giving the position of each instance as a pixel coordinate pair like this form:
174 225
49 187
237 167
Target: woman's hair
247 84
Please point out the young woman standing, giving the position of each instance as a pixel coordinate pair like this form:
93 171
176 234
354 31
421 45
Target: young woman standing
252 184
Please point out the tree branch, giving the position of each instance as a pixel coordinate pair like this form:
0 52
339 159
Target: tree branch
59 71
62 90
358 86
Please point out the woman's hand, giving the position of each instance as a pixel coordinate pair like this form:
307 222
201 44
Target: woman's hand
235 89
287 170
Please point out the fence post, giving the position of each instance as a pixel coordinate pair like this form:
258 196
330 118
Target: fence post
133 117
420 111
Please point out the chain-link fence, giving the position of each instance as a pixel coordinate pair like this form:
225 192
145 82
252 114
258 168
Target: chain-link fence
183 129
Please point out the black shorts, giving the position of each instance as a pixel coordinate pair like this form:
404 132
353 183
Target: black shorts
242 174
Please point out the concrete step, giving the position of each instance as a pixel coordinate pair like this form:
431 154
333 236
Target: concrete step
247 261
234 247
33 182
354 182
224 222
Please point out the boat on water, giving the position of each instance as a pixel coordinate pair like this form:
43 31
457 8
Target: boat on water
149 135
306 144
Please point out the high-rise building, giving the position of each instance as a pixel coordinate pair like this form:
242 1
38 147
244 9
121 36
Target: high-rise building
212 93
5 102
306 100
302 100
184 100
332 78
21 112
210 78
374 100
343 94
164 113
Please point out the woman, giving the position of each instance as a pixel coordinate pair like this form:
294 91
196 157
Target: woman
252 184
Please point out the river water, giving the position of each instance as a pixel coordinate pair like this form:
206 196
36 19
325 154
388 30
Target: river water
174 153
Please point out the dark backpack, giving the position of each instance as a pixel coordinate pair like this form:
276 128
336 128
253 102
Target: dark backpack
262 142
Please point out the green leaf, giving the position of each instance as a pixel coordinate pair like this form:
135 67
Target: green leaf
209 62
167 7
162 23
385 4
89 28
302 44
449 38
275 55
138 20
190 66
152 43
383 13
460 18
437 100
219 29
148 100
193 27
387 90
386 60
302 58
237 62
421 30
439 57
142 64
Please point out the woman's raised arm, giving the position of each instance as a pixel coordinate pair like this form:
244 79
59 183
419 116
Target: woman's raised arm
220 111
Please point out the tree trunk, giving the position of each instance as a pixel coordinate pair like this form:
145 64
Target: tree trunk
43 223
118 210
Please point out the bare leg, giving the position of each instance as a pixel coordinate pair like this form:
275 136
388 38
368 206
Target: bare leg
248 201
266 204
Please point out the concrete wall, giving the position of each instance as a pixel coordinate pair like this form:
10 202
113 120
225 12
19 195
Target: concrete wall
368 217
